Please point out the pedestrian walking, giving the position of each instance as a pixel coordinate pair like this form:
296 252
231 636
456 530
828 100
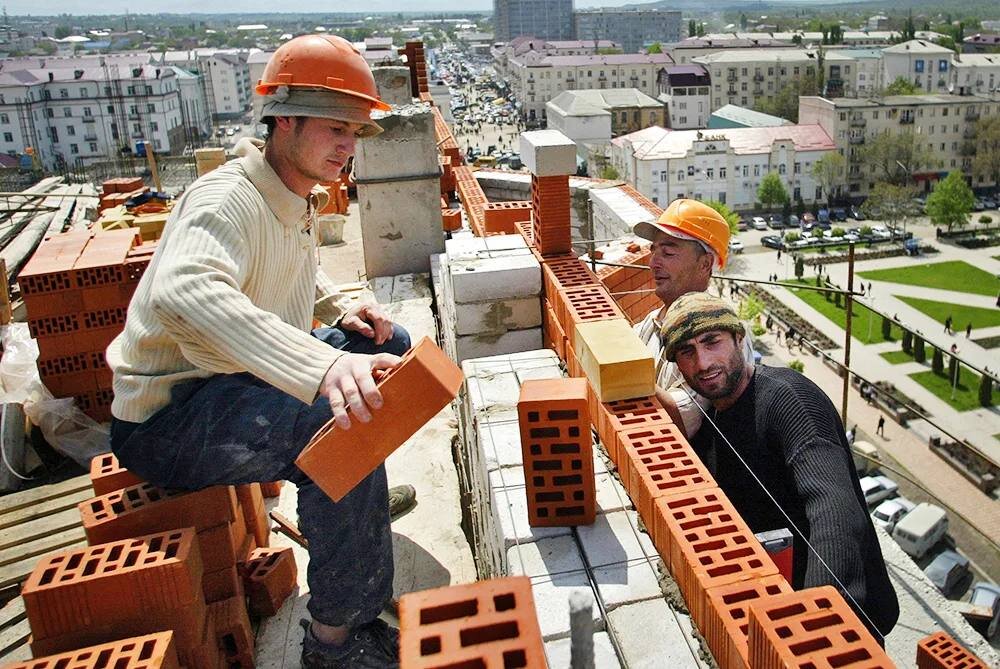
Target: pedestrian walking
880 430
779 255
968 331
769 323
947 325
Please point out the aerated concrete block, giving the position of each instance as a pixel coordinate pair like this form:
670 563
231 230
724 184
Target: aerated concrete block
651 635
510 506
485 276
615 538
548 153
559 654
479 345
393 84
498 316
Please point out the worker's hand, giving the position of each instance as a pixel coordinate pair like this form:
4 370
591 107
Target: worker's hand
349 385
369 320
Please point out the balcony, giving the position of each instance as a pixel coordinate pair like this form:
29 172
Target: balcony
89 119
758 91
858 121
90 138
857 139
905 119
731 77
971 115
758 77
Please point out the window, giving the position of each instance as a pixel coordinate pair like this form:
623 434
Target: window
111 110
942 66
722 197
690 170
93 147
875 115
154 126
87 111
4 118
8 137
151 108
50 113
68 112
74 148
756 170
781 168
918 66
722 172
680 175
819 192
71 130
710 173
83 92
663 176
746 170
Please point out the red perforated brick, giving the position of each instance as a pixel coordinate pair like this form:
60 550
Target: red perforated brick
727 617
557 451
152 651
555 338
270 577
500 217
658 461
941 651
584 304
105 584
565 272
708 544
336 460
251 498
230 625
485 624
144 509
224 545
222 584
810 628
550 199
107 475
615 417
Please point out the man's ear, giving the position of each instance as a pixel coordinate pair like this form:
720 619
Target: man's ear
284 122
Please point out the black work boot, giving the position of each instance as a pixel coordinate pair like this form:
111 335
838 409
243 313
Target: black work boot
402 498
374 645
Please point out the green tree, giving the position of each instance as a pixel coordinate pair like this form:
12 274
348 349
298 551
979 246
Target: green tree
610 173
907 342
751 308
772 191
692 28
886 328
937 362
896 157
828 172
655 47
950 202
743 22
800 267
890 203
953 369
797 365
919 352
986 162
985 390
63 32
902 86
732 218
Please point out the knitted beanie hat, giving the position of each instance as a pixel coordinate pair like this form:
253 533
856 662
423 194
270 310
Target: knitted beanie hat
694 314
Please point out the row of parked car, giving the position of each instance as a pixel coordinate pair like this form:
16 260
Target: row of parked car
918 528
824 218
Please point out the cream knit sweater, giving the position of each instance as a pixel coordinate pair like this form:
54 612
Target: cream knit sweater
233 287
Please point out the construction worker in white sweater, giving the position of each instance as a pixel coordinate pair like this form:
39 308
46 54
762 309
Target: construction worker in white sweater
219 378
689 241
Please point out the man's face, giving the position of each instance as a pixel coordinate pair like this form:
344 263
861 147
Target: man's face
712 363
679 266
318 148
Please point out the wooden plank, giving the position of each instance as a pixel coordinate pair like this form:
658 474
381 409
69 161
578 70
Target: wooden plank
46 508
14 631
12 612
5 310
19 500
17 572
27 532
42 545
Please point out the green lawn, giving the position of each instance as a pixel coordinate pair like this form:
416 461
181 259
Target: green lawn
961 315
897 357
966 393
866 324
954 275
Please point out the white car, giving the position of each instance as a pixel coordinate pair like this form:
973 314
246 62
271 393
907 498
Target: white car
758 223
736 246
890 511
881 232
877 488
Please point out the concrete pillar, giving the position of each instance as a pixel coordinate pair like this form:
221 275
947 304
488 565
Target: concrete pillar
393 84
399 193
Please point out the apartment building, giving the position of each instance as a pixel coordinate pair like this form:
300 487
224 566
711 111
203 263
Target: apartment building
634 29
72 116
975 73
686 91
629 109
853 72
225 77
519 47
725 165
535 79
686 50
944 123
925 63
549 19
745 77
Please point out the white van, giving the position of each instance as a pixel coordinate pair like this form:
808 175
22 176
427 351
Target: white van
920 529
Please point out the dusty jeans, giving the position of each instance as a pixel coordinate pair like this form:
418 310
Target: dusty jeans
234 428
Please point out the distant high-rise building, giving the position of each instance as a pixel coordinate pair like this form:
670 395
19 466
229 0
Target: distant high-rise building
632 28
548 19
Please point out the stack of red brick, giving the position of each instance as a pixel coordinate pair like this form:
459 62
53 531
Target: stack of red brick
414 52
550 201
119 190
76 290
472 197
161 560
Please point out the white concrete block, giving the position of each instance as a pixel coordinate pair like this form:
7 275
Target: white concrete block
611 496
467 246
516 362
558 653
477 346
652 636
498 316
548 153
499 277
556 570
628 583
510 506
614 538
500 443
488 390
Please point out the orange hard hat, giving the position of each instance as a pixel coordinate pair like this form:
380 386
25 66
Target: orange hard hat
693 220
321 61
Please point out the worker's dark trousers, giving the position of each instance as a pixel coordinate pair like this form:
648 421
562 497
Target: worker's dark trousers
234 428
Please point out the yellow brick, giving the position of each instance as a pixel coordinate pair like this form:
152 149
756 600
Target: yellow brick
614 359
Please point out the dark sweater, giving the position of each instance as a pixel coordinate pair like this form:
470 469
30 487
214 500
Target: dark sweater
789 434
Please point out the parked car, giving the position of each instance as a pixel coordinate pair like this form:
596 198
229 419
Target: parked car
891 511
776 221
743 225
793 221
857 214
772 241
735 246
920 529
881 232
823 216
759 223
863 465
985 599
977 205
989 203
877 488
838 214
947 570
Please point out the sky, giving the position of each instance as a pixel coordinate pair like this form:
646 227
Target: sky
49 7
